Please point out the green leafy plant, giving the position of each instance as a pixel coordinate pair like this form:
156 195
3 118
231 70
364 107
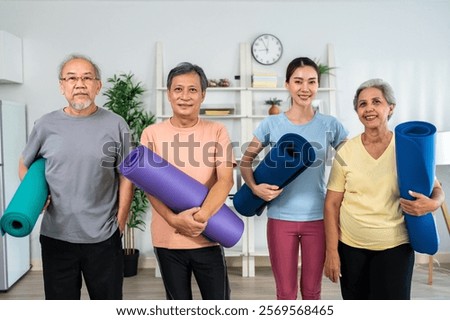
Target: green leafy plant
124 98
323 68
273 102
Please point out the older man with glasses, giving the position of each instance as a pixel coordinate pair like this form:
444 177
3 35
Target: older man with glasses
89 200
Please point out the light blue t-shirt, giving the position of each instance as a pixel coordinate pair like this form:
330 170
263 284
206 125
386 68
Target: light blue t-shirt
303 198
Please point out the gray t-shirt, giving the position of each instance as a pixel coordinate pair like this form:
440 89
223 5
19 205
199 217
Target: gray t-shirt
82 158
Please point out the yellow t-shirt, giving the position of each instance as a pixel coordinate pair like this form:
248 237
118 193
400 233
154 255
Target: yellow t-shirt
370 214
197 151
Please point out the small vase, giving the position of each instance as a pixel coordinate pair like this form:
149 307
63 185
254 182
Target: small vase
274 109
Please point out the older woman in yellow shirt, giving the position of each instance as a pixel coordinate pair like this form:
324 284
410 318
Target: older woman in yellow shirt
367 245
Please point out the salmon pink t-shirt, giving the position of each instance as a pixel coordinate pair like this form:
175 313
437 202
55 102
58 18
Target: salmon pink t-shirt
197 151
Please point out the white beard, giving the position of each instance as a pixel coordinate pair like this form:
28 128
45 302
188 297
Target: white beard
82 105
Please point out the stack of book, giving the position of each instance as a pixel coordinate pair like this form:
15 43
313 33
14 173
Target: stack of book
217 110
264 80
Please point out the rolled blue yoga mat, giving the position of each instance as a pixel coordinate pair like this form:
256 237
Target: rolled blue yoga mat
290 156
27 203
179 192
415 152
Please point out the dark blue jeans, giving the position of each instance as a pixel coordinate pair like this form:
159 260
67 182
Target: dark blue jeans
100 264
376 275
208 266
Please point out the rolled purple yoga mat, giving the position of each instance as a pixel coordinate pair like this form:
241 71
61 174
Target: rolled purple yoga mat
179 192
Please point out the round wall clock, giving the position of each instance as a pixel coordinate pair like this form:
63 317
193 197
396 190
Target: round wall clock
267 49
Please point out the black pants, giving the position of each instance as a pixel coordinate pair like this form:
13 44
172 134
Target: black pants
65 263
208 266
376 275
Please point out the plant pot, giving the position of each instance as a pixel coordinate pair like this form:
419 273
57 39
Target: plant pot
130 263
274 109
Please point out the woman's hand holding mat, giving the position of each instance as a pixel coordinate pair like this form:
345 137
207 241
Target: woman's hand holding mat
290 156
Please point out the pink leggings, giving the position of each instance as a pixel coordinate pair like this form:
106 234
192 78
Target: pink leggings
284 239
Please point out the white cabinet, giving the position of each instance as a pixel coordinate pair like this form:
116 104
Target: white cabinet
10 58
249 110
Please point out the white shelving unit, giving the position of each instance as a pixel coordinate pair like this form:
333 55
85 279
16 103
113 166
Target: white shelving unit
241 124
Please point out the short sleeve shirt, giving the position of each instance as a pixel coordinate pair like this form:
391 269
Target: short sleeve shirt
370 213
82 157
197 151
303 198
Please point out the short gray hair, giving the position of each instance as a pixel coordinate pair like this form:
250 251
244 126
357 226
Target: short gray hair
75 56
380 84
187 67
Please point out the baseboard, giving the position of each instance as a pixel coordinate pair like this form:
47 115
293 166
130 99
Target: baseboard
36 265
150 262
147 263
438 258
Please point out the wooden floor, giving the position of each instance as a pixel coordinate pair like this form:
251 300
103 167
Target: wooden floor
145 286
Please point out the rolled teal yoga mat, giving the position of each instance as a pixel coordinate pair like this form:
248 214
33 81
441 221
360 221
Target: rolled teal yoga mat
415 152
291 155
27 203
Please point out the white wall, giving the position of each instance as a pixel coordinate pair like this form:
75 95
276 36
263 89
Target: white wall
404 42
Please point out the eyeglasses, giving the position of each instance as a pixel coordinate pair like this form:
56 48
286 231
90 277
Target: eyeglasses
73 80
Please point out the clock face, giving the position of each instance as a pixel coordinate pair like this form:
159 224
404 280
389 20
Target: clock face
267 49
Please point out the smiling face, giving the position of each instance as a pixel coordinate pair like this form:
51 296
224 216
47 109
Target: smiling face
186 96
81 92
373 109
303 85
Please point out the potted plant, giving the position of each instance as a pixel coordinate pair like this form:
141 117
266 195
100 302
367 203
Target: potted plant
124 99
323 69
274 104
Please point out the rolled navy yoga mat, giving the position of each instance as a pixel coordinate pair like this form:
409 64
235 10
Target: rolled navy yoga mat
27 203
290 156
415 152
179 192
